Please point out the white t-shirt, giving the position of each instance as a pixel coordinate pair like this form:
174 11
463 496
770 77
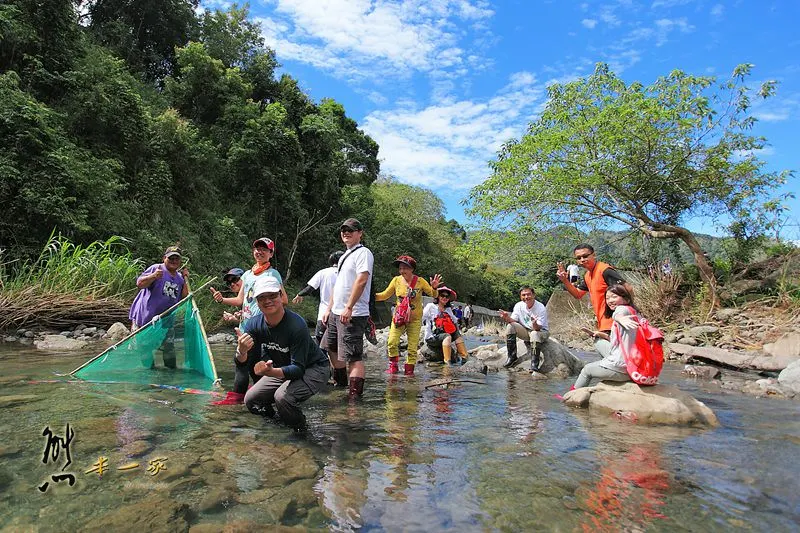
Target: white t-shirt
468 311
324 280
573 271
351 264
429 314
526 317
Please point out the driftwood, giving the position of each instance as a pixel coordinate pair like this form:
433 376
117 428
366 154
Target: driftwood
444 382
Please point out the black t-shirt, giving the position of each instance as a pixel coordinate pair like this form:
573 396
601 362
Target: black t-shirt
611 277
288 344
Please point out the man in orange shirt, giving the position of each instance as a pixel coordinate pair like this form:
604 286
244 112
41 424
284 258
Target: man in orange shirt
599 276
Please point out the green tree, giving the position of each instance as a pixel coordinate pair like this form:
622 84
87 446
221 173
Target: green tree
650 158
144 33
46 181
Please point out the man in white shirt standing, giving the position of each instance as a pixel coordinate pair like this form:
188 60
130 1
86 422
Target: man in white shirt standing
347 317
323 281
528 321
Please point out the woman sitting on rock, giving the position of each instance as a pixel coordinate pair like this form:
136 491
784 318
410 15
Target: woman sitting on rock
440 327
620 307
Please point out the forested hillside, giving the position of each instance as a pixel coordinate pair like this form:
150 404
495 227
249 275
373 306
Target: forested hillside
162 124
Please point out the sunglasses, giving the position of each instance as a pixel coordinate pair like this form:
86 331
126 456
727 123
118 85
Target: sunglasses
231 281
348 230
445 295
585 256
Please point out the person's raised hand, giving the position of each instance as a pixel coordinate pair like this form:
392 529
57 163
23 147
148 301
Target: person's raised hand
561 272
297 299
436 280
243 344
158 274
216 294
504 315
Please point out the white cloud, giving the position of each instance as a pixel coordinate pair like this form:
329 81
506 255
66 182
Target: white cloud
717 10
589 23
447 145
666 26
359 38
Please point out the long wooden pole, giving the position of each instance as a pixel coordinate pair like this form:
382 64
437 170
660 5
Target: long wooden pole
150 323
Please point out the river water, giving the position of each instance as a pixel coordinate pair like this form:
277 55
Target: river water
499 455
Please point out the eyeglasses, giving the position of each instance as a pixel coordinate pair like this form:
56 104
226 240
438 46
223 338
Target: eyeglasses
348 230
231 281
174 258
584 256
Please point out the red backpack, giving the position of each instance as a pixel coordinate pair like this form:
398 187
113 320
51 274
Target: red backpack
645 360
402 313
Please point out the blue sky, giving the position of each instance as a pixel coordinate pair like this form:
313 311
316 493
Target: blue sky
441 84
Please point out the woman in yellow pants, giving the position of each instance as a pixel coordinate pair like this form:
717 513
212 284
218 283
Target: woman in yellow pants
407 284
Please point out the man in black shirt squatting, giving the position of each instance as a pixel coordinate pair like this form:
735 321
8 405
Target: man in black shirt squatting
292 366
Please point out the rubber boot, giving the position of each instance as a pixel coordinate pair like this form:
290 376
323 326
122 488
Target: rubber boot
408 369
340 377
447 351
231 398
356 388
511 345
536 358
462 352
394 367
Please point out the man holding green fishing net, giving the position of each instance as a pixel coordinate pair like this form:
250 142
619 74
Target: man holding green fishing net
160 287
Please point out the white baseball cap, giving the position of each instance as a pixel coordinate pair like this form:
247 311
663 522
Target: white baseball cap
266 284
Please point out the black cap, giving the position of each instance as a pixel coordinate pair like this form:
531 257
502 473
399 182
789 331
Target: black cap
352 223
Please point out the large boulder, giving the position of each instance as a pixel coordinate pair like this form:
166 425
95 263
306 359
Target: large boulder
659 404
789 377
59 343
733 359
554 355
786 346
117 331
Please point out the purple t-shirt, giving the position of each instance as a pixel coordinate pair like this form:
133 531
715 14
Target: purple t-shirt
162 294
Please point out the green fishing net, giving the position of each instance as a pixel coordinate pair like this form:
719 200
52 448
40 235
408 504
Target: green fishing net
170 350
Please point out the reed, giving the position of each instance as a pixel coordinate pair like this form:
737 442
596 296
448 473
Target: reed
69 284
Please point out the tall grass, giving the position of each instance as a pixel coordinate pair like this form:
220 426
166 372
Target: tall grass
657 298
68 284
100 269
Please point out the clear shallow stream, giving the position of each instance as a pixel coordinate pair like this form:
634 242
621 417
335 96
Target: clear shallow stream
501 454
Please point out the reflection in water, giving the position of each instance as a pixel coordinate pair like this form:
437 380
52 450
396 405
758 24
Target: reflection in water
501 454
629 493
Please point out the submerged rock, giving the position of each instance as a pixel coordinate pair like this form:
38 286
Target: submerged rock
659 404
60 343
702 372
156 513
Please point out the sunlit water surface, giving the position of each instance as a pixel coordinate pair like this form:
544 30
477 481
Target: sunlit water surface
500 454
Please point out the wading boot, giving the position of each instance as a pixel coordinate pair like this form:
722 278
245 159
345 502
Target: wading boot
462 352
356 388
536 358
447 352
231 398
408 369
511 345
394 367
340 377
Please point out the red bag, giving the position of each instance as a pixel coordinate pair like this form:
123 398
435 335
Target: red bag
645 360
402 313
445 323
